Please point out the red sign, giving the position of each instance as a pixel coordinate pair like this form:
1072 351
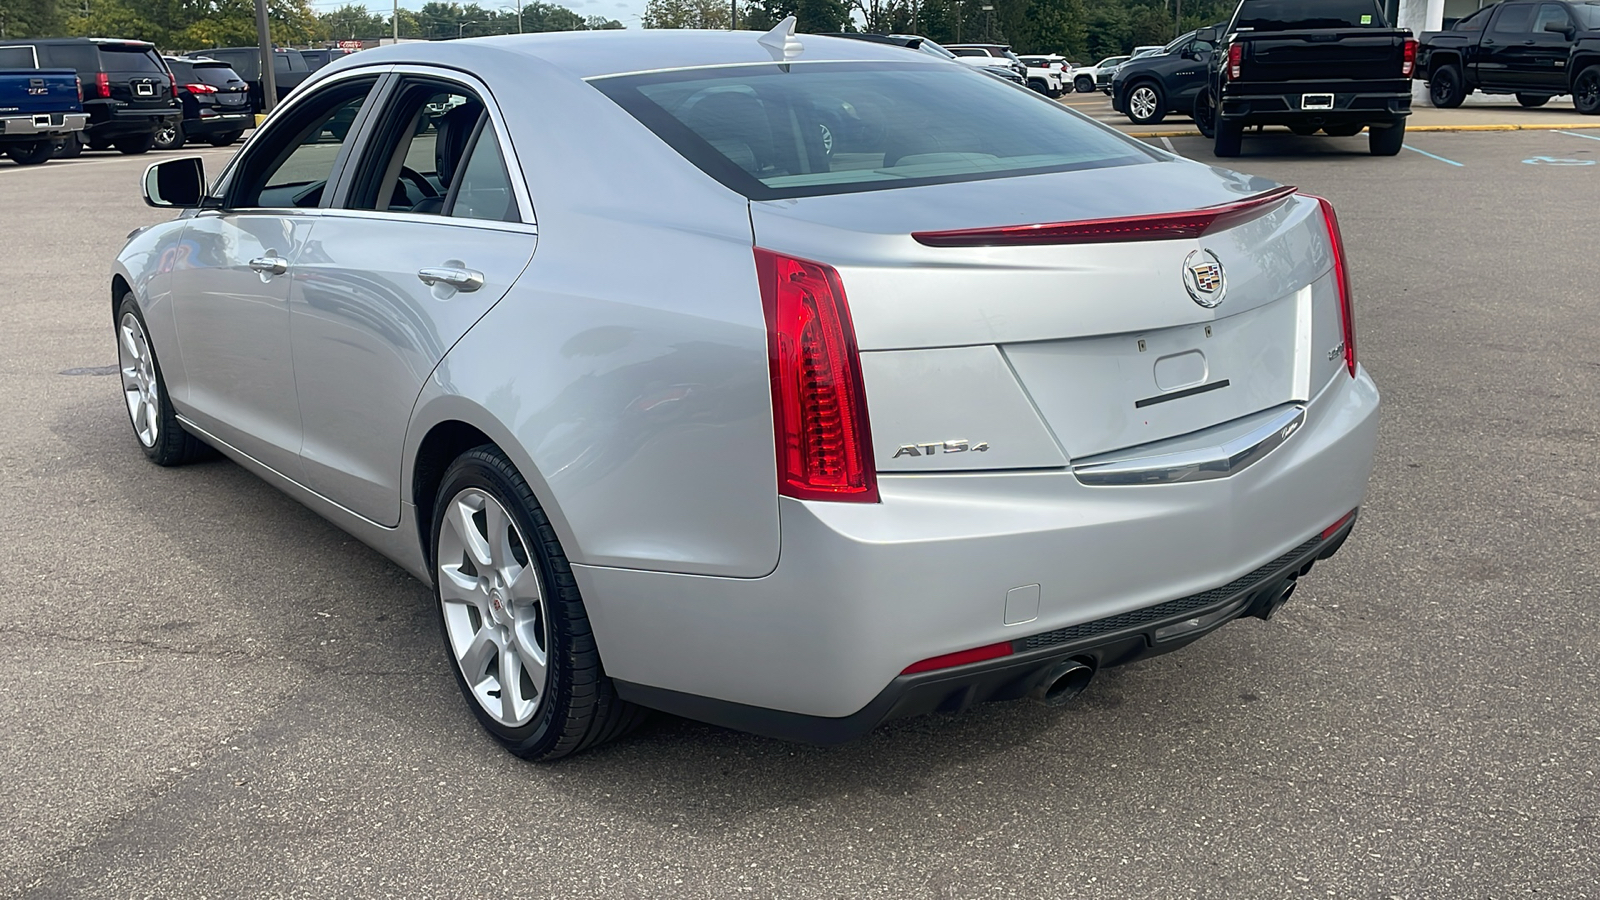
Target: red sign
349 45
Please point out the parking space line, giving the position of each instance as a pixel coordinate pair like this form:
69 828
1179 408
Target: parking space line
1434 156
1576 134
1167 143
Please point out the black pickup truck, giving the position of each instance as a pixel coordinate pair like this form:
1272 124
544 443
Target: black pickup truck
1329 65
1534 50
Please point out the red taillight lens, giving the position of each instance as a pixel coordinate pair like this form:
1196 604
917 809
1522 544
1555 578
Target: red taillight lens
173 83
819 405
1158 227
200 89
1341 277
80 89
1408 63
960 658
102 86
1333 529
1235 57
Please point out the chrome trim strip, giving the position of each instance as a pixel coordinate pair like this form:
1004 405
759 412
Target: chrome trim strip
1197 465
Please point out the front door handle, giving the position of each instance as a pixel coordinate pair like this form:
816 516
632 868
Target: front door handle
270 265
465 280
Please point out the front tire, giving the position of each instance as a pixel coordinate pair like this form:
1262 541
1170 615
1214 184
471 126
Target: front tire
1386 141
512 619
32 154
1205 115
170 137
135 144
1083 84
1533 101
1146 104
1446 87
1586 91
144 392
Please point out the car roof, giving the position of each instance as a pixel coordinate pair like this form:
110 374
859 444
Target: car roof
594 54
97 41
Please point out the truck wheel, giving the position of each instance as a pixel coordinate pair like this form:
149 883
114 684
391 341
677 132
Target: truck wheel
1383 141
135 144
1446 88
1229 135
1083 84
1586 91
31 154
71 148
1205 115
1146 106
170 137
1530 101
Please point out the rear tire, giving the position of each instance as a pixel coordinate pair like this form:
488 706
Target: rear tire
135 144
1446 87
1386 141
170 137
1228 139
32 154
506 598
1586 91
1533 101
1146 104
1083 84
1205 115
144 392
224 139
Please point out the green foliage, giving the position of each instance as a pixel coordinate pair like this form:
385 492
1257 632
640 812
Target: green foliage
30 18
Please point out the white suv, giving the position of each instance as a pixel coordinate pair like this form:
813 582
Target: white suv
1047 74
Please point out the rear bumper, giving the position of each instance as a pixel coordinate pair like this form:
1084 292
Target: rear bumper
1287 109
219 122
43 125
945 562
116 122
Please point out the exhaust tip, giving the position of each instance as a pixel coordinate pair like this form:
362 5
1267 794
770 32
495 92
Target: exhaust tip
1268 605
1064 681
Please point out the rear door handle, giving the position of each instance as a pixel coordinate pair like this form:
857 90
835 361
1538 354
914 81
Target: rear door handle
465 280
270 265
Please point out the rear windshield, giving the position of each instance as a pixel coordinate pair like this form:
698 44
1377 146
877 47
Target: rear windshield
1301 15
215 74
834 128
116 58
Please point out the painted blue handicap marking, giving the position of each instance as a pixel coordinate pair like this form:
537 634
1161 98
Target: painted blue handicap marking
1555 161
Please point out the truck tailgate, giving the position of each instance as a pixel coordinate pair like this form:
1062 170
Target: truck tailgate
38 92
1356 54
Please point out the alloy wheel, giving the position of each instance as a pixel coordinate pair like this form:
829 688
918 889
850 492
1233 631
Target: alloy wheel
1586 95
167 136
139 386
494 607
1142 103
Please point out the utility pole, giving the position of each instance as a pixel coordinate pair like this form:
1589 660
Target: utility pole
733 15
269 74
394 19
1177 19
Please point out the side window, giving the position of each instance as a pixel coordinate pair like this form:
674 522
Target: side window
1552 15
18 58
1475 21
1514 18
435 153
291 165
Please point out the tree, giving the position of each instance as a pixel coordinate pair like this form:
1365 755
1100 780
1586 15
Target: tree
685 14
30 18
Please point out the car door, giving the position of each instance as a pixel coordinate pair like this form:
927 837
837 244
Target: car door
230 300
1549 46
431 232
1188 74
1502 59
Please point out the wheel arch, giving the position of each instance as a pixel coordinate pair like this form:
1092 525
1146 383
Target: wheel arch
119 288
1438 59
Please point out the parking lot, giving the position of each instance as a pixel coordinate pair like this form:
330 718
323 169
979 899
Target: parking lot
209 691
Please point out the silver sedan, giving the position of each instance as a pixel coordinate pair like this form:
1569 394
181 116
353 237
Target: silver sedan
785 382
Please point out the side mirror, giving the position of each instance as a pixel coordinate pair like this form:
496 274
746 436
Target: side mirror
1557 27
1206 35
179 183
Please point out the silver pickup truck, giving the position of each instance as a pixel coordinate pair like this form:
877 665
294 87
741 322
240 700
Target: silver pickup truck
39 108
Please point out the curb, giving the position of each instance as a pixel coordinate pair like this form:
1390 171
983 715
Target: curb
1410 129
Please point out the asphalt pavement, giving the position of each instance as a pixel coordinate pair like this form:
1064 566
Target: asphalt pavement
207 691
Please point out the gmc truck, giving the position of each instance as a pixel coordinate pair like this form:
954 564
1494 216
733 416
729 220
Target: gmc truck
39 108
1534 50
1313 65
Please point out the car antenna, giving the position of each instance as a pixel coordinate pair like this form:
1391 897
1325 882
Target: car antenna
781 42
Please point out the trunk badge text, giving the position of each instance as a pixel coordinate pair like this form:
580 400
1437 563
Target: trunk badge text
1204 279
940 446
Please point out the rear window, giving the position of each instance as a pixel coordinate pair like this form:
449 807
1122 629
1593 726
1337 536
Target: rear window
115 58
17 58
181 70
835 128
216 74
1301 15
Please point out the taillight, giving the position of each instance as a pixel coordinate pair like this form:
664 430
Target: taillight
819 405
1408 60
1235 57
200 89
1170 226
1341 277
80 89
102 85
173 83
